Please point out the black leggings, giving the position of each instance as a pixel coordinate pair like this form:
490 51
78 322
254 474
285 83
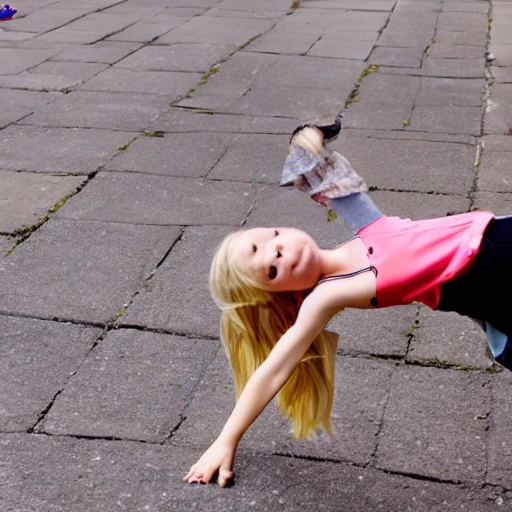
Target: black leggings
484 292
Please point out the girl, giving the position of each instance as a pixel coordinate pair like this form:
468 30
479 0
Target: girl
278 290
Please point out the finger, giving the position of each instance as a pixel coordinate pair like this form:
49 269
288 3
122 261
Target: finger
190 473
225 475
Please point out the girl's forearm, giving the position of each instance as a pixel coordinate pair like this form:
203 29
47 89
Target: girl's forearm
257 394
268 379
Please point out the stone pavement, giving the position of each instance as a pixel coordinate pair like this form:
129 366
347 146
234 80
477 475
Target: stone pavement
134 136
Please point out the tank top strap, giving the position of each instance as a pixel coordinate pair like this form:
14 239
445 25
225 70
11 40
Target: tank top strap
350 274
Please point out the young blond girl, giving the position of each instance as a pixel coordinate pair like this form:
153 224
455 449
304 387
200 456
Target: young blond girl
278 290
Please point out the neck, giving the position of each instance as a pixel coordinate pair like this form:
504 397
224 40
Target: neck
346 258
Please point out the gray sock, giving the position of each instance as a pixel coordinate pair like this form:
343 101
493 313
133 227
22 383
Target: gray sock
357 209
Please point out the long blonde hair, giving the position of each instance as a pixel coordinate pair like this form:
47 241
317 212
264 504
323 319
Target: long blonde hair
252 322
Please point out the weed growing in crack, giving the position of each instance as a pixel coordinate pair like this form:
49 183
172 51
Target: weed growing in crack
354 95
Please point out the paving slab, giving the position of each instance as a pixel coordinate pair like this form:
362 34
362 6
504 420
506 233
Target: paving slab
16 60
448 340
494 172
372 116
177 57
447 119
141 199
191 155
102 51
450 445
53 76
62 473
91 28
19 104
122 256
173 84
59 150
380 333
461 37
214 30
146 31
47 19
80 109
421 166
183 121
450 92
499 111
253 158
499 204
409 28
456 51
277 85
25 198
38 359
399 57
500 453
467 21
414 205
182 280
134 385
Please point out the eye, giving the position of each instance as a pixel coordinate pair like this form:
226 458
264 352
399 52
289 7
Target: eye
276 232
254 248
272 273
279 254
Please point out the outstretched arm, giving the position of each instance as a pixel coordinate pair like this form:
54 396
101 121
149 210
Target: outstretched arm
263 385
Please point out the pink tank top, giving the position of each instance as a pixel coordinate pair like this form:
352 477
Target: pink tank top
414 258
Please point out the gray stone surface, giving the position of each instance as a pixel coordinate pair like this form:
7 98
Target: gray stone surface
37 360
173 84
5 244
80 109
500 204
186 121
446 119
133 385
182 280
419 167
38 192
60 258
141 199
59 150
499 110
176 57
251 158
191 155
53 76
456 342
450 92
64 473
453 445
176 117
494 173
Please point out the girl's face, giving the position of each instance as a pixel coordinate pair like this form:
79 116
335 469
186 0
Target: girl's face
280 259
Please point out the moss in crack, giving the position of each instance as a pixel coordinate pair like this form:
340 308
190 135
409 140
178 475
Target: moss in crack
437 363
127 145
354 95
23 233
204 79
406 122
248 42
295 5
115 320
